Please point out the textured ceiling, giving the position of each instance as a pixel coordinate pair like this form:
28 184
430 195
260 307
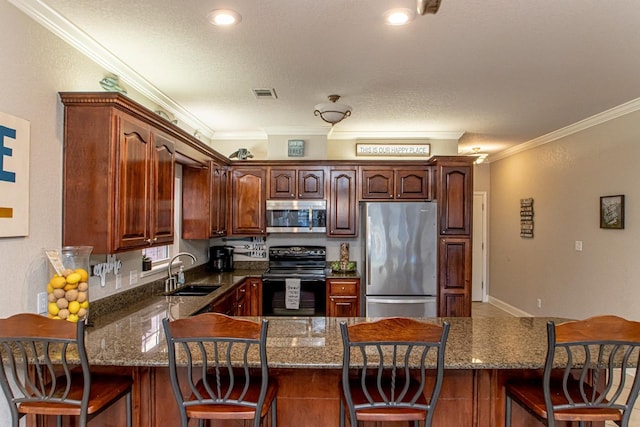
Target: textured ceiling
502 71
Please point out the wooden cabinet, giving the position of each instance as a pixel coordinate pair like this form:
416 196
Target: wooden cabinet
454 272
225 304
118 180
204 201
343 297
294 183
455 199
390 183
242 302
248 201
254 290
343 206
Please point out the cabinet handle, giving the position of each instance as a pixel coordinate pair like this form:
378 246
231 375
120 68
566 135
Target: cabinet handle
343 288
391 196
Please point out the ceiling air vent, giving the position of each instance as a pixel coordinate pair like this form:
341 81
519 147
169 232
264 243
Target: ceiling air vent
265 93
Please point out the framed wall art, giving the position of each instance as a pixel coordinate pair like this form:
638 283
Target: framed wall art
612 212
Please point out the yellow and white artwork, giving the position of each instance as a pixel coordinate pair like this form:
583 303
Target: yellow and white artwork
14 176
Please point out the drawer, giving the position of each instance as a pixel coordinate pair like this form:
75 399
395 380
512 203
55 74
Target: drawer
343 288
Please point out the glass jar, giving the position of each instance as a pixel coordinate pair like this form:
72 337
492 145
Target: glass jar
68 287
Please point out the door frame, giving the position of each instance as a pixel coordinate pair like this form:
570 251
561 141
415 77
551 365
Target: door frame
480 238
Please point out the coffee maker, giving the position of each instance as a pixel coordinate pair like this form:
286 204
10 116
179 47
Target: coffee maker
221 258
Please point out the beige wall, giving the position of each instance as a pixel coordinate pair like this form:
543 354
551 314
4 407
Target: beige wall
566 179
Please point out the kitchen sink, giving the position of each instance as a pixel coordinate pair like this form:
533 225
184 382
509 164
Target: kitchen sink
194 290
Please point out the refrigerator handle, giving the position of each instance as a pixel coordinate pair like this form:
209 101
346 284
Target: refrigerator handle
368 247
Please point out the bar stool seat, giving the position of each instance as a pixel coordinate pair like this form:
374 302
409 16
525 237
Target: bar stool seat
44 370
219 382
585 374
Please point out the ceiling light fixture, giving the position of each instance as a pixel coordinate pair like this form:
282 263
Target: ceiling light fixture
428 6
399 17
332 112
481 157
224 17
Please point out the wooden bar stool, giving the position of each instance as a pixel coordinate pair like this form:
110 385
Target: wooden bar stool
220 382
390 359
44 371
585 373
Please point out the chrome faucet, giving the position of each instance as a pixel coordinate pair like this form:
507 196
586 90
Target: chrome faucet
170 283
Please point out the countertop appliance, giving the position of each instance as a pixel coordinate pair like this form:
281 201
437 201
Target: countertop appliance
400 259
296 216
301 268
221 258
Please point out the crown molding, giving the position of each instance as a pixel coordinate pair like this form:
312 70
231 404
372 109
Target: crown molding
589 122
397 135
246 135
81 41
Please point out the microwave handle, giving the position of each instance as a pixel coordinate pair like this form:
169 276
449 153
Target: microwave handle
310 218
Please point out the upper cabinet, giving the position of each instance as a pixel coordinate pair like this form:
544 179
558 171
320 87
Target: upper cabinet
248 201
295 183
455 198
343 206
204 201
118 180
391 183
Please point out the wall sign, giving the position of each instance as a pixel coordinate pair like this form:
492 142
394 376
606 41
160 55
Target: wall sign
296 148
394 150
526 218
14 176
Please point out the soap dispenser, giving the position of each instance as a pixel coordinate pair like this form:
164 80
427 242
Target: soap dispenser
181 276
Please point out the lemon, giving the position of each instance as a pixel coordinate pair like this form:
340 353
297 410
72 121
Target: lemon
73 278
74 306
84 304
53 309
49 288
58 282
84 276
72 318
70 286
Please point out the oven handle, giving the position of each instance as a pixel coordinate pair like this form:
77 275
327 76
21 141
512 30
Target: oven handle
310 219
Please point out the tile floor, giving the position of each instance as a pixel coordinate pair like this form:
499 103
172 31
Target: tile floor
479 309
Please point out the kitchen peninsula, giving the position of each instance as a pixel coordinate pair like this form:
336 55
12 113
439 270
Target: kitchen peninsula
305 355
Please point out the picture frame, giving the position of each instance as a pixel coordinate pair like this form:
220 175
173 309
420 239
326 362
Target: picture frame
612 212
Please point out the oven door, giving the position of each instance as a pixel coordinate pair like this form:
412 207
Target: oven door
311 297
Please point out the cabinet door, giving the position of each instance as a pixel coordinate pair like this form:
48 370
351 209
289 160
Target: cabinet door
133 184
163 169
255 296
195 202
455 197
242 300
311 184
248 216
218 202
343 208
413 184
282 184
455 277
377 184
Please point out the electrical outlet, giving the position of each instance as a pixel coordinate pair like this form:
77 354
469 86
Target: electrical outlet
118 281
578 245
133 277
539 303
42 302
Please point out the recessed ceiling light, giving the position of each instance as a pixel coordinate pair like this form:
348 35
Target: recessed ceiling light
224 17
398 17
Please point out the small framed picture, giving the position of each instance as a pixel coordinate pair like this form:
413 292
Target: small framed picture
612 212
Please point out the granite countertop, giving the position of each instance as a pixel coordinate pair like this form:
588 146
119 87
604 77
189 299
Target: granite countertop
134 337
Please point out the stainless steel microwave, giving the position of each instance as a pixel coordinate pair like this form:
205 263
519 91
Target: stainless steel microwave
296 216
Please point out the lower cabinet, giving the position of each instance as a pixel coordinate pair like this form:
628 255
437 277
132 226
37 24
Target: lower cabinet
245 299
343 297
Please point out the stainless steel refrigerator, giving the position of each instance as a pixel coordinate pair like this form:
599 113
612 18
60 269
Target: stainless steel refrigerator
400 259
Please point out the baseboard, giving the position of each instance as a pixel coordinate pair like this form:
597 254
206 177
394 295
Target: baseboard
514 311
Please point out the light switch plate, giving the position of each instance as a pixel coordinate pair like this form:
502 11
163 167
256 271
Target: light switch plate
42 302
133 277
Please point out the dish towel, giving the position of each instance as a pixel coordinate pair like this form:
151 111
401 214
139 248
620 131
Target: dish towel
292 294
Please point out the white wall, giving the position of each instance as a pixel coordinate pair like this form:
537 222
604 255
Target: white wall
566 179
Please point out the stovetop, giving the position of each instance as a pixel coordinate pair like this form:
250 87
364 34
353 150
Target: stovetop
296 262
